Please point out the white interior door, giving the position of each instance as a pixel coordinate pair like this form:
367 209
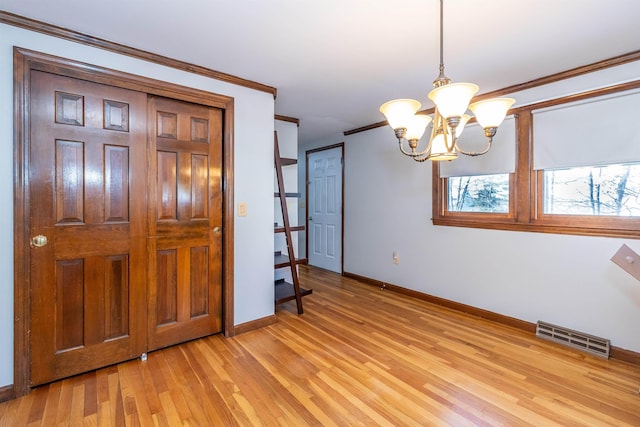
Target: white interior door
325 209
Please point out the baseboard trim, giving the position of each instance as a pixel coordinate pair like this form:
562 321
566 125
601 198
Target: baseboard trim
7 393
616 353
625 355
479 312
254 324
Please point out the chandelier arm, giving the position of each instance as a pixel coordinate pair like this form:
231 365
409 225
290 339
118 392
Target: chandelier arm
434 126
422 159
475 153
406 153
449 132
412 153
441 126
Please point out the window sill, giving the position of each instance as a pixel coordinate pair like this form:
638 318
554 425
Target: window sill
540 227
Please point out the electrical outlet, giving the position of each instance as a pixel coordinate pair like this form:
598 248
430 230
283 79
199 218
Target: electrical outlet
396 258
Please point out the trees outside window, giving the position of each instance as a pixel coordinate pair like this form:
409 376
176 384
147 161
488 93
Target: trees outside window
480 193
612 190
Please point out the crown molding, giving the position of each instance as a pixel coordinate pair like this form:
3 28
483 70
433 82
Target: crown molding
552 78
74 36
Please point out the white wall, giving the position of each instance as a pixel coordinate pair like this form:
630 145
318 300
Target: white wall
561 279
253 169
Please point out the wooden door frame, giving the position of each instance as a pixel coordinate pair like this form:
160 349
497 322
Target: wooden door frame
26 61
306 204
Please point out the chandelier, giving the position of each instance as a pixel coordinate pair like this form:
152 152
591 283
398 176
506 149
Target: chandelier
452 101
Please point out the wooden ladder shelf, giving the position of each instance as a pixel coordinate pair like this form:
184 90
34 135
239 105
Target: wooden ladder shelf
285 291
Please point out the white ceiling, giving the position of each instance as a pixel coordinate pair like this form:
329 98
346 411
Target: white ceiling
335 61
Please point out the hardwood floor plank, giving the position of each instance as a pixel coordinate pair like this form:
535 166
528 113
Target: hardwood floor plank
51 393
101 395
146 378
63 413
339 389
169 415
134 394
90 395
281 362
77 404
419 400
118 402
358 356
36 412
195 402
7 412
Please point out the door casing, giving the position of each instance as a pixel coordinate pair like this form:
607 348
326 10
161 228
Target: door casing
24 62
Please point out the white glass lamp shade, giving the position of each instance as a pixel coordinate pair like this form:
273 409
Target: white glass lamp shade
453 99
399 112
463 121
439 149
416 126
491 112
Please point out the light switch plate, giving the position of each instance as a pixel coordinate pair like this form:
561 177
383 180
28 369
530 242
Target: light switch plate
242 209
628 260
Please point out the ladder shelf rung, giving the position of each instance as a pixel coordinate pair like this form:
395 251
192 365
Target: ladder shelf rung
284 261
278 229
286 292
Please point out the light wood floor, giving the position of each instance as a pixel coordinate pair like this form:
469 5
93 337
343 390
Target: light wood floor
358 356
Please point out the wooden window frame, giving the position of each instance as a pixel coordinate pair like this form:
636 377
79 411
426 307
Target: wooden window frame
526 189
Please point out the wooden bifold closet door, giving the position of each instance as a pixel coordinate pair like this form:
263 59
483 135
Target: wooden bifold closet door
125 256
185 222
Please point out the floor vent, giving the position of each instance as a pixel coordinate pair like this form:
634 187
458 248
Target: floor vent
588 343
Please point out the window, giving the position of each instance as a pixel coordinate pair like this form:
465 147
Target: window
482 193
611 190
481 185
576 170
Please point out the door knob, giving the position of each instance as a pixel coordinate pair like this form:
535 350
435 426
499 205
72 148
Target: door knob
217 230
310 218
39 241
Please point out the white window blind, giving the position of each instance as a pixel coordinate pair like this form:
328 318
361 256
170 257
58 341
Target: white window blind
599 131
501 158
